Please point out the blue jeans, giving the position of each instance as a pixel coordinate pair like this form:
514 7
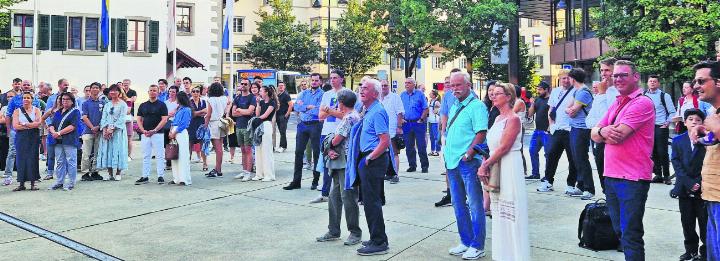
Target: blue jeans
538 140
66 158
580 148
626 206
713 230
306 133
467 200
10 159
434 137
414 133
327 180
50 158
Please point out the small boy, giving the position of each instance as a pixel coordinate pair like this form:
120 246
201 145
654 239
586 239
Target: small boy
687 160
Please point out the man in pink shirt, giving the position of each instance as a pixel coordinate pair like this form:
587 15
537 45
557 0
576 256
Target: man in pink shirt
627 129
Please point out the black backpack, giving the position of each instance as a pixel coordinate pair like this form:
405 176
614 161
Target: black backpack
595 229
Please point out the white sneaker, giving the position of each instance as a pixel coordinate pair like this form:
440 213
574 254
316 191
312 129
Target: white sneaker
267 180
458 250
587 196
473 253
118 177
545 186
573 192
42 157
247 178
256 178
319 199
281 150
240 176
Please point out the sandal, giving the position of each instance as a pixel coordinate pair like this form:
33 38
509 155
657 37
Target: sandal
33 187
19 188
48 177
205 168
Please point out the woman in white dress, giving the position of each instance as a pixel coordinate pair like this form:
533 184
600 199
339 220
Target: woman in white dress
509 204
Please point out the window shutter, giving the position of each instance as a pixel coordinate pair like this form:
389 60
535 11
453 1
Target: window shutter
113 34
154 31
5 36
59 33
122 40
44 32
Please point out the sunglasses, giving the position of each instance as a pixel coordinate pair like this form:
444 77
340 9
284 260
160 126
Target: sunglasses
621 75
195 91
244 84
701 81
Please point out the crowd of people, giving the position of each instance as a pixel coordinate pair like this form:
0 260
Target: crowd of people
355 138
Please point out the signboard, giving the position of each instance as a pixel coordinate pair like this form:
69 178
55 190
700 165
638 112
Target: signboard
567 66
394 86
503 56
269 76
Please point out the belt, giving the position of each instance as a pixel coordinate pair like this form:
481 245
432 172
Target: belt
310 122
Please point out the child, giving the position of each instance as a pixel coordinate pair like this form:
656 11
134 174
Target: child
687 160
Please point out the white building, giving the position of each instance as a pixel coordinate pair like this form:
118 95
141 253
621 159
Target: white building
69 42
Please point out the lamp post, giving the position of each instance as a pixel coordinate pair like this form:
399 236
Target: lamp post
317 4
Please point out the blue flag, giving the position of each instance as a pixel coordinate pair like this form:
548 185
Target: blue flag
105 23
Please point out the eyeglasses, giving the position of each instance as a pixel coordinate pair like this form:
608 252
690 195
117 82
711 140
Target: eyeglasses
25 84
701 81
195 91
385 85
621 75
243 84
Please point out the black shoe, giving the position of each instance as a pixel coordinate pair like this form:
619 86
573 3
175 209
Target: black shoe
395 179
658 179
86 177
161 180
219 174
211 174
372 249
313 187
141 180
56 187
292 186
688 256
387 177
172 182
410 169
96 176
424 170
444 201
667 181
182 184
532 177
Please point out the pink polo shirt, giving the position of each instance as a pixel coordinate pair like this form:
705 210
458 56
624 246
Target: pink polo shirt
630 159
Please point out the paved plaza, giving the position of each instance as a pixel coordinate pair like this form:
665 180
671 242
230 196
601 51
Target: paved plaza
225 219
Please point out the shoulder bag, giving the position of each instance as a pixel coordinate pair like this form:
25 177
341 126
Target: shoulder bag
172 150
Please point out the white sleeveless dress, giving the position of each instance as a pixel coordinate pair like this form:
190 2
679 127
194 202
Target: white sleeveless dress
510 239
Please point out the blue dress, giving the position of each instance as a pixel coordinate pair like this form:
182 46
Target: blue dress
27 146
196 121
113 152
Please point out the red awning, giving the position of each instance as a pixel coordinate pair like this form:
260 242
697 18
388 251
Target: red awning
184 60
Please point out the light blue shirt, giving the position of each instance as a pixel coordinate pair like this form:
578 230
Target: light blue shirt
414 104
662 116
447 101
182 119
460 135
309 97
562 119
585 98
163 96
375 122
600 106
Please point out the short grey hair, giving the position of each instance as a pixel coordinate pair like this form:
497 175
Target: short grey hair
347 98
465 75
410 79
376 85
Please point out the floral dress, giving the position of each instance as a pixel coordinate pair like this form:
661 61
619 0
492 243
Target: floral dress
113 152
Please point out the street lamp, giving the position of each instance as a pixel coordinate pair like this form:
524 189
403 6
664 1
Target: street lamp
317 4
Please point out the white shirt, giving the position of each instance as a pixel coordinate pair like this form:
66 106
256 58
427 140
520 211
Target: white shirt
562 119
393 106
329 99
433 113
600 105
218 107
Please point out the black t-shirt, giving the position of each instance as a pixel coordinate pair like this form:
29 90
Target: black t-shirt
152 113
265 106
243 102
284 103
541 111
131 93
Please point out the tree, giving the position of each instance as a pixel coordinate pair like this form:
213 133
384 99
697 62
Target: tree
528 69
281 43
356 44
410 27
664 37
5 14
474 28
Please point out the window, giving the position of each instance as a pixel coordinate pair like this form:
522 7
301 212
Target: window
462 63
533 23
237 57
75 33
539 61
136 36
22 31
522 39
184 17
239 24
437 63
91 34
397 64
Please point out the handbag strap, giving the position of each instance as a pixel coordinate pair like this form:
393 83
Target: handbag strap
26 114
67 114
458 112
554 110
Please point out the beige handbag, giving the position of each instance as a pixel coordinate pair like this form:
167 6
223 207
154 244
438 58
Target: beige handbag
493 184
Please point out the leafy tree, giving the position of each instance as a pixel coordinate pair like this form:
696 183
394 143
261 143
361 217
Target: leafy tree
5 14
664 37
410 26
356 43
529 78
474 28
281 43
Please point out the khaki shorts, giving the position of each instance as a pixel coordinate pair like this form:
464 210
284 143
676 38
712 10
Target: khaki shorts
243 137
215 131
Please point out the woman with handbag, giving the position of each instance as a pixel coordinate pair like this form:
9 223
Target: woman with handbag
217 105
179 133
199 110
113 149
66 139
265 110
26 121
506 180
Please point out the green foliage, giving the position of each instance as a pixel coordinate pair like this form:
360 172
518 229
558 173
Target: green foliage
410 27
664 37
356 44
474 28
4 13
281 43
529 78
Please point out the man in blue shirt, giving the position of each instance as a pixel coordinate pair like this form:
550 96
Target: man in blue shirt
13 104
91 116
374 160
308 130
416 111
664 108
163 95
580 133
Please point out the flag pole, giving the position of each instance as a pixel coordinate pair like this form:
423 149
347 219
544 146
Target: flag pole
107 54
173 35
35 42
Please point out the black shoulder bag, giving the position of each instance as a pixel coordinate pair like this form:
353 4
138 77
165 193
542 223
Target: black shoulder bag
553 113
